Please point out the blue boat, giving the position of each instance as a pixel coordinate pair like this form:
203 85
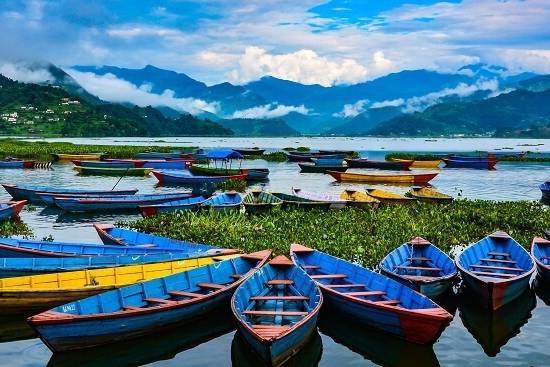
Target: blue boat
11 209
277 310
191 204
155 163
28 192
185 178
16 163
545 190
130 202
158 155
373 299
227 201
257 174
540 251
103 164
327 161
49 198
421 266
144 308
496 269
480 163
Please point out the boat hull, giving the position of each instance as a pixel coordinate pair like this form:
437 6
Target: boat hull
16 164
174 179
389 165
311 168
422 164
114 203
431 289
82 157
482 164
30 194
11 209
411 179
101 171
257 174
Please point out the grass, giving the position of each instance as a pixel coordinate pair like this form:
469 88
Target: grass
270 157
364 236
11 228
236 185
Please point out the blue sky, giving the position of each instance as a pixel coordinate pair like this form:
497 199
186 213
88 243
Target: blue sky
325 42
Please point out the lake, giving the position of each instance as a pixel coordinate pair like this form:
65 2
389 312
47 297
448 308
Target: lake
515 336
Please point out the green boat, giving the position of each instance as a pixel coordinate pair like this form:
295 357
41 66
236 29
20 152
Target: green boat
260 202
296 202
200 170
312 168
101 171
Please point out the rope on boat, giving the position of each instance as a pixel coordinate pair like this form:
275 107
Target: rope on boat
43 165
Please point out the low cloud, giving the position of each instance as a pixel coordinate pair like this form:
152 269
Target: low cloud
269 111
303 66
109 88
353 109
388 103
25 73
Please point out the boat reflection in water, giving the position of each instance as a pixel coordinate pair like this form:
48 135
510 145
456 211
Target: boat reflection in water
160 346
542 290
15 327
378 347
242 355
493 329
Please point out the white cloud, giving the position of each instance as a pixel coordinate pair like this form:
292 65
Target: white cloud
388 103
353 109
303 66
269 111
381 63
108 87
25 73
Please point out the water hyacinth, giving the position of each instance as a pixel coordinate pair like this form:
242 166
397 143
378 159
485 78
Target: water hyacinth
12 228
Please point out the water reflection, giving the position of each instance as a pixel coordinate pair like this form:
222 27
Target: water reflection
243 356
542 290
493 329
14 328
163 345
380 348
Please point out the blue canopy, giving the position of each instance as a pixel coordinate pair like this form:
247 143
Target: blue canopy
224 154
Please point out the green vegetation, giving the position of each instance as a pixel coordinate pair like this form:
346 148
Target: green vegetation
270 157
365 236
236 185
259 127
299 149
11 228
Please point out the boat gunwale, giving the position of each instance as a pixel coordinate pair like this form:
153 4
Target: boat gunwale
537 261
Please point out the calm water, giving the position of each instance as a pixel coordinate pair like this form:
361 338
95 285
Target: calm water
516 336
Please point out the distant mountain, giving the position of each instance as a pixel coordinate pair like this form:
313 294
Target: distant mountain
366 121
259 127
537 84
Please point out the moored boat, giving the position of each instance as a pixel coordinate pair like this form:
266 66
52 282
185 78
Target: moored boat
496 269
277 310
159 155
201 170
391 198
540 251
308 157
11 209
156 163
327 161
81 157
257 174
314 168
145 308
256 202
404 178
297 202
28 192
192 204
470 163
421 266
103 171
16 163
49 198
104 164
545 190
402 165
335 201
359 199
429 195
250 151
372 299
433 164
227 201
173 178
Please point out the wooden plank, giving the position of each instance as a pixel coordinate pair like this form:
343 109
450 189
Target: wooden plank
420 277
310 267
159 300
280 282
493 275
503 268
132 308
210 285
419 258
392 302
279 298
422 268
499 260
503 254
274 313
185 294
350 285
236 276
328 276
365 294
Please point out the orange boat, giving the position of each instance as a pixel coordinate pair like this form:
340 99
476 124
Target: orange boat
405 178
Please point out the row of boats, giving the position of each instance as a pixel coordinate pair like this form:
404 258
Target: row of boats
136 284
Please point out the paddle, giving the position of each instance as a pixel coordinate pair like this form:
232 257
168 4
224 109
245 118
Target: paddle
121 177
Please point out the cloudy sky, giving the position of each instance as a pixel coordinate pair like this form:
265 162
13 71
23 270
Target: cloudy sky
309 41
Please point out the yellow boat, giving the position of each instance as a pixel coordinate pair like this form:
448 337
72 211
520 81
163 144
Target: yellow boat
429 195
403 178
421 164
391 198
36 293
78 157
359 199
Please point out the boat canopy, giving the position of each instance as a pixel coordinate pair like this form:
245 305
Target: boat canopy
224 154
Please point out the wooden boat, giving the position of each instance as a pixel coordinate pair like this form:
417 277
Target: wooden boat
429 195
327 161
227 201
307 157
49 198
156 163
16 163
540 251
81 157
545 190
260 202
190 204
496 269
173 178
145 308
104 164
402 165
359 199
391 198
250 151
257 174
112 203
434 164
28 192
476 164
335 201
479 157
158 155
276 310
297 202
519 155
421 266
11 209
372 299
313 168
345 152
100 171
199 170
405 178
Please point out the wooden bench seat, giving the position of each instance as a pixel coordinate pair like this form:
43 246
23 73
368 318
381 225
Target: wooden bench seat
350 285
503 268
280 282
328 276
502 254
421 278
499 261
493 275
422 268
279 298
274 313
365 294
185 294
310 267
392 302
210 285
159 300
419 258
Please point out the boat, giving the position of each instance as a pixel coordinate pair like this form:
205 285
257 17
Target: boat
101 171
479 157
494 329
404 178
11 209
540 251
390 198
256 202
182 163
313 168
470 163
327 161
250 151
359 199
145 308
519 155
16 163
277 309
433 164
368 163
373 299
345 152
176 178
28 192
80 157
426 194
201 170
227 201
49 198
257 174
308 157
421 266
158 155
112 203
297 202
190 204
335 201
495 269
104 164
545 190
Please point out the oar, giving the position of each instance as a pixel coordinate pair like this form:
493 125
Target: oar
121 177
